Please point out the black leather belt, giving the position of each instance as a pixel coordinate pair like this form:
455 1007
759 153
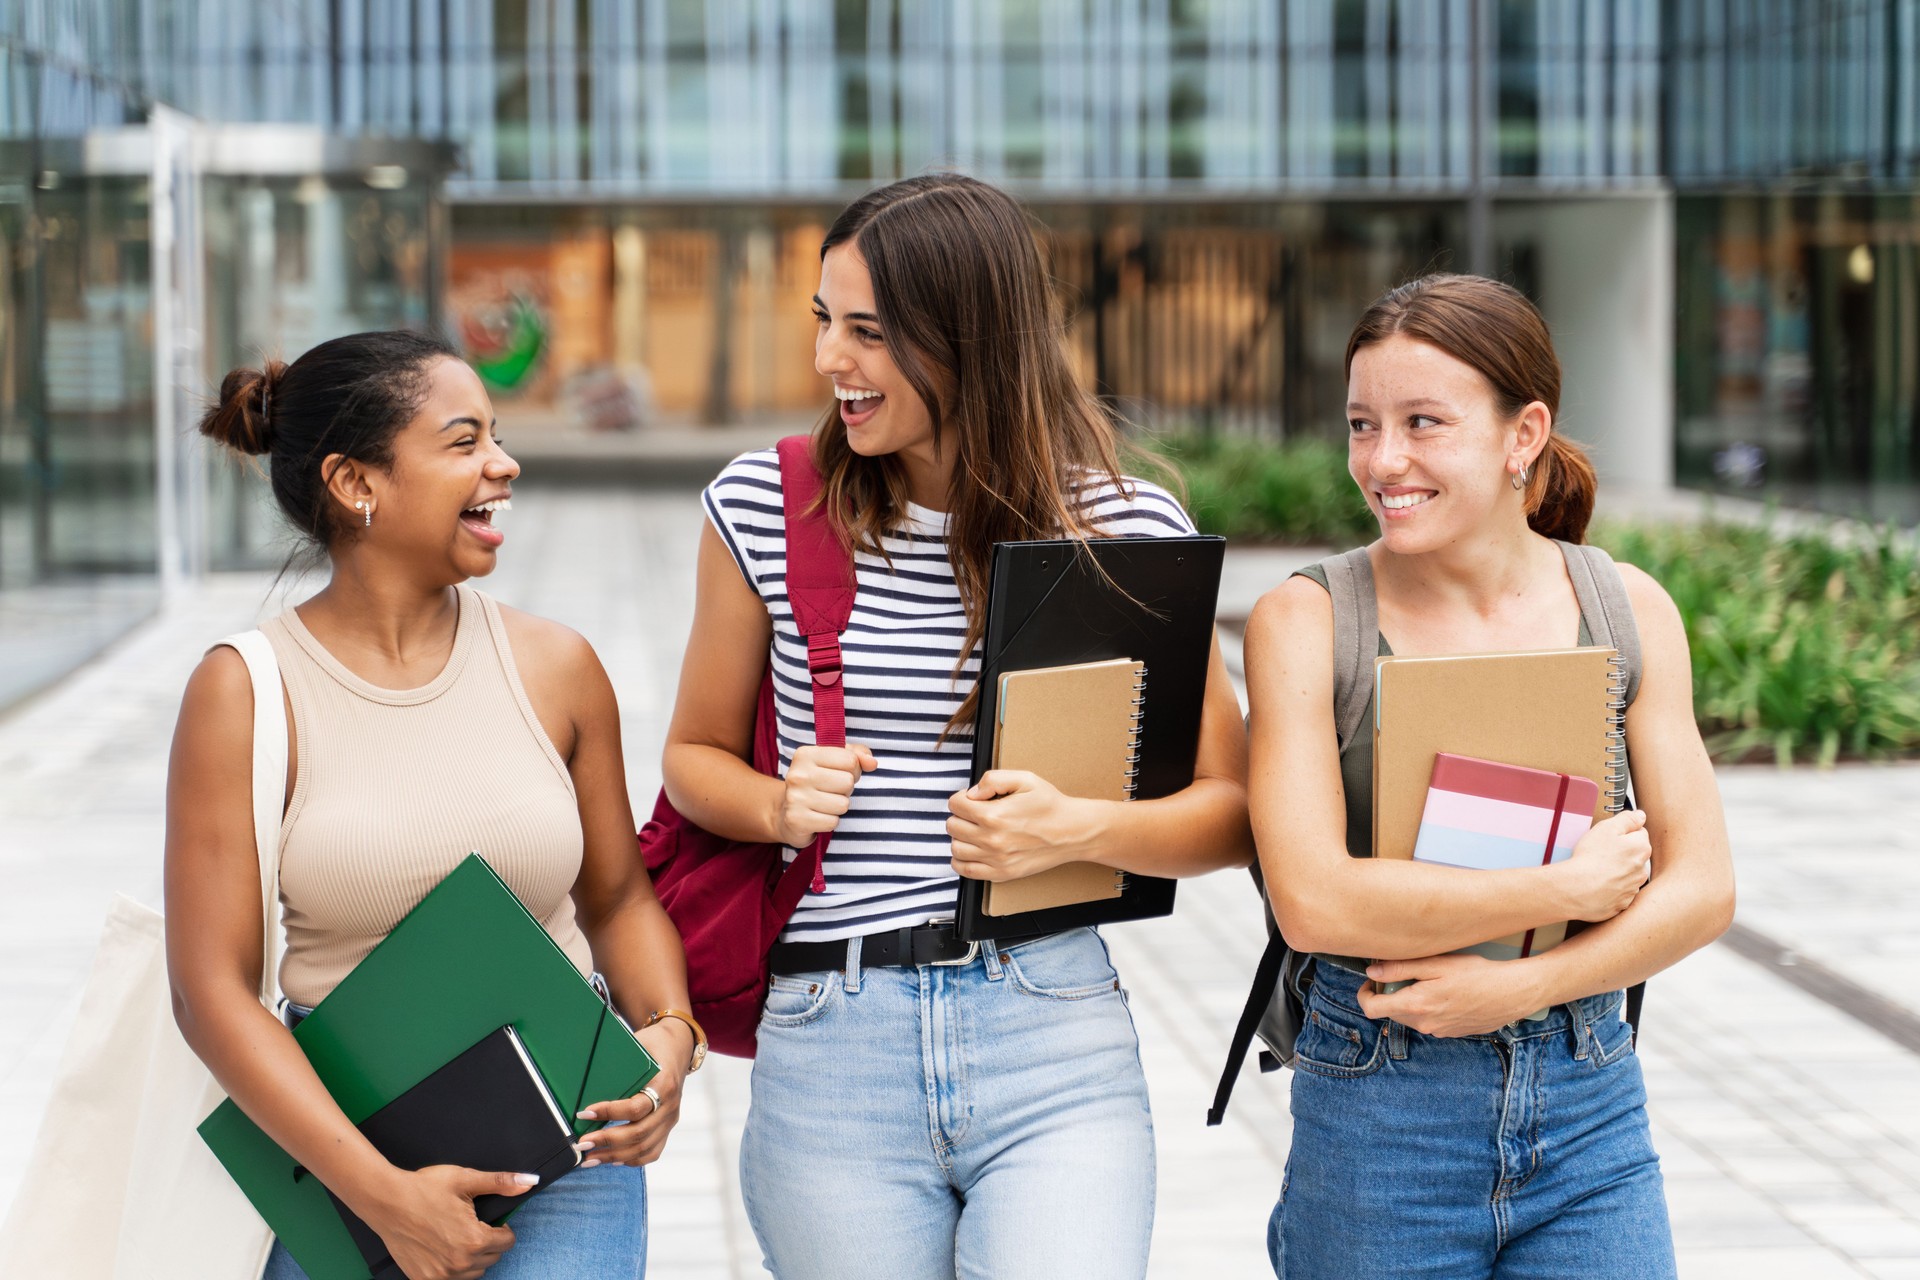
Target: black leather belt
916 945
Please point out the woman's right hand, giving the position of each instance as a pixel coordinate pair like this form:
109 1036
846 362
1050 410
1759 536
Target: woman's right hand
1608 868
819 789
426 1221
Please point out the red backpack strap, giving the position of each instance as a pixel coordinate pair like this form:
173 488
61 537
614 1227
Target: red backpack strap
820 589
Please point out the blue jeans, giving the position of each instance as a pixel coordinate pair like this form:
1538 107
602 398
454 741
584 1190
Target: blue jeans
1523 1153
589 1225
980 1120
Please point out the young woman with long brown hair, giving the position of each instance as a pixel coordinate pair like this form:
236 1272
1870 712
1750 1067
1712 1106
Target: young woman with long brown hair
1445 1127
921 1107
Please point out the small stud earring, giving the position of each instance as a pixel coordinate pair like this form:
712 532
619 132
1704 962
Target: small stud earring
366 508
1519 479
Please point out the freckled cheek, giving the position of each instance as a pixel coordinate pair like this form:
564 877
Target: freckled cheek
1461 467
1360 459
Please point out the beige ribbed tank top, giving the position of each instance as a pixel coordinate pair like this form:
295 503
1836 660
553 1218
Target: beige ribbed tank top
393 787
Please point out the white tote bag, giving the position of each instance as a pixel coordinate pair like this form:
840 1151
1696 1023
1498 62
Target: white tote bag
120 1186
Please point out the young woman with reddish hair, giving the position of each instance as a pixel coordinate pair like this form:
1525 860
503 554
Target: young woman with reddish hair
1440 1128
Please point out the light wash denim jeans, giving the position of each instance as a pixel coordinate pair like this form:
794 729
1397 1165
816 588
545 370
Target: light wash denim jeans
1523 1153
589 1225
987 1121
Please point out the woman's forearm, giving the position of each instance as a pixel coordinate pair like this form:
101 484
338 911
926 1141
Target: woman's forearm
638 951
1202 828
721 793
1672 918
1397 909
257 1062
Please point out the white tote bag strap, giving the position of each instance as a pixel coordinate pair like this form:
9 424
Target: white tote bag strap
122 1188
269 790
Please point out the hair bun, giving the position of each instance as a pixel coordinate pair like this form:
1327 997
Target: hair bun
243 418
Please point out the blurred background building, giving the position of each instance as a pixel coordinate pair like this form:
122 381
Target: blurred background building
616 205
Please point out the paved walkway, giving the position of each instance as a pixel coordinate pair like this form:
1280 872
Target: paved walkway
1790 1131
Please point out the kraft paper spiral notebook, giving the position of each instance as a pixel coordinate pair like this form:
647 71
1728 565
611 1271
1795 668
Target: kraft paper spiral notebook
1557 710
466 961
1079 728
1065 603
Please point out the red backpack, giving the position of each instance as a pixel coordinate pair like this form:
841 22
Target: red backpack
730 899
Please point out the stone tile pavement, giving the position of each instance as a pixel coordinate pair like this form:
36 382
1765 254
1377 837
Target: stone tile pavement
1790 1132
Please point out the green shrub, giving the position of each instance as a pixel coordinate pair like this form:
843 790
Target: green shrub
1803 649
1246 489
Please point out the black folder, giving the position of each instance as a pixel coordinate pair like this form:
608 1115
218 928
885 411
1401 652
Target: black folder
489 1109
1056 603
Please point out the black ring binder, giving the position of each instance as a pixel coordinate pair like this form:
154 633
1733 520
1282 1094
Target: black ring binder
1061 602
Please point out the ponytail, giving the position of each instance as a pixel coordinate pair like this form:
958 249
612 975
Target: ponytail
1560 491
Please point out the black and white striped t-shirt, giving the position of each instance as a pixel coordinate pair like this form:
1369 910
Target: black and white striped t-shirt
889 863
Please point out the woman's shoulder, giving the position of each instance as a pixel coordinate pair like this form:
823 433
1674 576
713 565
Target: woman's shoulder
1132 506
1655 615
744 499
221 681
1298 603
217 704
755 471
545 648
1643 589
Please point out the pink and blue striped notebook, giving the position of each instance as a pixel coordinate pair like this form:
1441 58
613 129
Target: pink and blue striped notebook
1487 816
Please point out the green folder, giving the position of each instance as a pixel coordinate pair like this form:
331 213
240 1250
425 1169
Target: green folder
466 961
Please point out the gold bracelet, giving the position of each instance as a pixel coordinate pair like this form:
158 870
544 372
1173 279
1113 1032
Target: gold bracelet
699 1034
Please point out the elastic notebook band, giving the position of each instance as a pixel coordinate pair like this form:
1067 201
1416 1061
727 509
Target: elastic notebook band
593 1051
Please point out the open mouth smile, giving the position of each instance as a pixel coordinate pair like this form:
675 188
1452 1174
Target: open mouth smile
478 521
1399 506
857 404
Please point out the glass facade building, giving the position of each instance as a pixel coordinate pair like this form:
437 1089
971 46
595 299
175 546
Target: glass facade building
77 470
143 251
615 205
1795 142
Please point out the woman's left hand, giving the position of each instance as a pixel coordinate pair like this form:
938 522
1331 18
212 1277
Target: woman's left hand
1451 995
1013 823
644 1135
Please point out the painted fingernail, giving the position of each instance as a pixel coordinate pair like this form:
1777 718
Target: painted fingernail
527 1179
585 1144
588 1164
588 1114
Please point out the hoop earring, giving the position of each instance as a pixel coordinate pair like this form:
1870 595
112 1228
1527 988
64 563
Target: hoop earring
362 506
1519 479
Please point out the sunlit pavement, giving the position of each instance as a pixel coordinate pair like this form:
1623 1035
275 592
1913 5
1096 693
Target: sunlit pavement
1789 1127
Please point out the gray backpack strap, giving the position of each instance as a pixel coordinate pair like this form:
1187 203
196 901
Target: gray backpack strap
1609 614
1603 602
1356 638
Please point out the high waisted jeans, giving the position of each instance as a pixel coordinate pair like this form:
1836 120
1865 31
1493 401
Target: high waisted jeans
987 1120
1523 1153
590 1225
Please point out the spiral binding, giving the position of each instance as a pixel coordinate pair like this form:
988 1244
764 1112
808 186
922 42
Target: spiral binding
1132 773
1616 780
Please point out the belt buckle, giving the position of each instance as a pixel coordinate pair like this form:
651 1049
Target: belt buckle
972 952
